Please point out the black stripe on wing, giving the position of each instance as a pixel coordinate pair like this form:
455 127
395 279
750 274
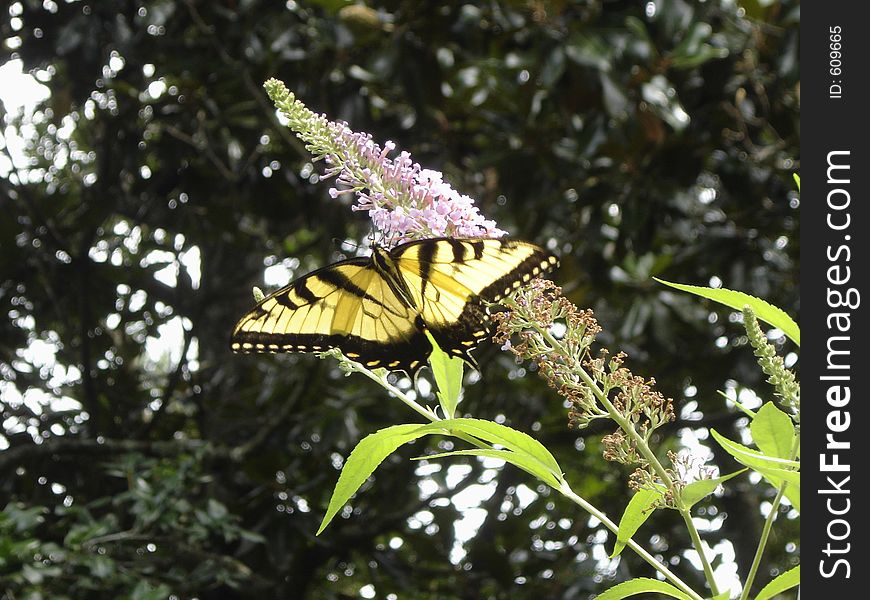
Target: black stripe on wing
407 350
407 355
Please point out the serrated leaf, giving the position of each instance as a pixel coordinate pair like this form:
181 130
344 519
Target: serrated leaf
773 431
642 585
374 448
776 470
698 490
793 478
783 582
737 300
752 458
502 435
363 460
447 371
523 461
639 509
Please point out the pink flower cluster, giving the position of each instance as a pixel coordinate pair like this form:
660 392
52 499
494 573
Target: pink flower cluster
416 203
404 201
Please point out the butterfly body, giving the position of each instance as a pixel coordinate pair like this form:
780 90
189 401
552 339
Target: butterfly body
377 309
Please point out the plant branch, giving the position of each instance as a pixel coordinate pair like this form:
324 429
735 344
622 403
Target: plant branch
647 453
638 549
768 524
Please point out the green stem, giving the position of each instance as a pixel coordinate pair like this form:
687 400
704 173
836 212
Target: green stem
425 412
649 558
699 546
565 489
614 414
768 525
648 455
382 381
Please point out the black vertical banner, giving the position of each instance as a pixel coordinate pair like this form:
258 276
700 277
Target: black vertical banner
835 217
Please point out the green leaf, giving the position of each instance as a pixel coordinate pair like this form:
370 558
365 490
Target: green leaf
776 470
216 510
737 300
694 50
773 431
502 435
331 6
752 458
783 582
797 180
363 460
523 461
524 451
639 509
24 519
722 595
698 490
589 50
252 536
638 28
664 105
747 411
793 494
777 477
642 585
101 566
447 371
145 591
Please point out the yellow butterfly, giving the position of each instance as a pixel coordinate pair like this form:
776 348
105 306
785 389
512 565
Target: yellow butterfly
376 309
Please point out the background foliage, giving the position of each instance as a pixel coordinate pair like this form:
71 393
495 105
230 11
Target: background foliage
143 459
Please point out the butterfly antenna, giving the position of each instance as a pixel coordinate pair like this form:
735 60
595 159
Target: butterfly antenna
389 238
379 238
346 245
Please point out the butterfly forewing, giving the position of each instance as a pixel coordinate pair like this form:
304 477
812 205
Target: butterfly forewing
452 278
348 306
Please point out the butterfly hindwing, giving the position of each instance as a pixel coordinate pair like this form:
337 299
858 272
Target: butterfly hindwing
453 278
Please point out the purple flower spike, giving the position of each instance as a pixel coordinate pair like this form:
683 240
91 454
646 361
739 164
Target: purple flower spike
404 201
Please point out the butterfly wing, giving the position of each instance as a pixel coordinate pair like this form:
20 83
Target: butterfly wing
452 278
347 305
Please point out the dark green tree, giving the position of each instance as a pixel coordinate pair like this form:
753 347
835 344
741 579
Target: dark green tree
142 459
